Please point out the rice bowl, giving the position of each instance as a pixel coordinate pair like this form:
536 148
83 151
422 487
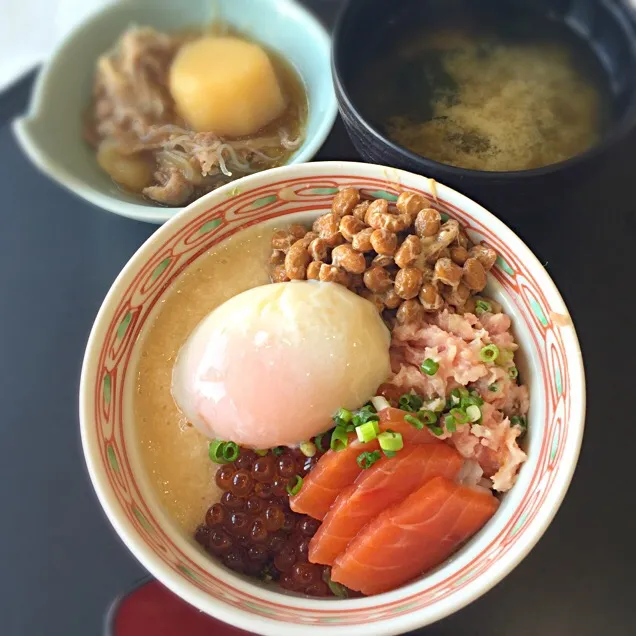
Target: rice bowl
551 364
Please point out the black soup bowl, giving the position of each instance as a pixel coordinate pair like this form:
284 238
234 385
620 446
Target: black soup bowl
601 29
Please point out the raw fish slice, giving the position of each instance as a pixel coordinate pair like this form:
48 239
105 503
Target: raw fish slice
337 470
394 419
334 471
414 536
386 483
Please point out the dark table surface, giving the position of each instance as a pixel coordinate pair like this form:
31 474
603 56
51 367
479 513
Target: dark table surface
60 561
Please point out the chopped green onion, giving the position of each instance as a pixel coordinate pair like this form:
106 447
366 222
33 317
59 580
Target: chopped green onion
339 439
429 366
478 399
505 357
474 413
459 415
308 449
390 454
458 394
489 353
413 421
513 372
450 423
437 405
343 417
410 402
365 414
367 431
278 451
215 451
444 217
366 460
472 398
428 417
436 430
391 441
297 485
494 387
380 403
516 420
481 306
336 589
318 442
261 452
231 452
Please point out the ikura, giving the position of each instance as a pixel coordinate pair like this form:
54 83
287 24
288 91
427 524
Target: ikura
252 529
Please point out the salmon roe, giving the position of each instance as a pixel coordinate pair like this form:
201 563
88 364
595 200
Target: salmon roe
252 529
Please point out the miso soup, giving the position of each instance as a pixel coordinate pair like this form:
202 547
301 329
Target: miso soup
487 90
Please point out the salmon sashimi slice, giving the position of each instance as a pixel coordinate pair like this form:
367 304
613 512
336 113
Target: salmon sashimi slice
338 469
391 418
387 482
334 471
412 537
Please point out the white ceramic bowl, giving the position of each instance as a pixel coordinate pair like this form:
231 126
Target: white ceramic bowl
551 365
51 132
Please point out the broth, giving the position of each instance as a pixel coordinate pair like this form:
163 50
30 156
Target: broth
491 91
174 454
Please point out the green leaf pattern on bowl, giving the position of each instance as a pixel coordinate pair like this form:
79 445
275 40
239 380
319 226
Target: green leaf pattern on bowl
323 191
519 524
260 608
112 458
210 225
123 325
538 312
187 571
383 194
160 268
259 203
142 519
555 444
106 388
504 265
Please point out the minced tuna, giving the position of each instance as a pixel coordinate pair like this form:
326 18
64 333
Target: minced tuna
455 342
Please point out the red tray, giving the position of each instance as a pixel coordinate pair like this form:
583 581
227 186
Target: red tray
150 608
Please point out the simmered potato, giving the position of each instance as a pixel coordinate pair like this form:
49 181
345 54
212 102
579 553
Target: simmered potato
225 85
133 173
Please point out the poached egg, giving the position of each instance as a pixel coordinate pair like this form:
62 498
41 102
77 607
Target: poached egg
272 365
